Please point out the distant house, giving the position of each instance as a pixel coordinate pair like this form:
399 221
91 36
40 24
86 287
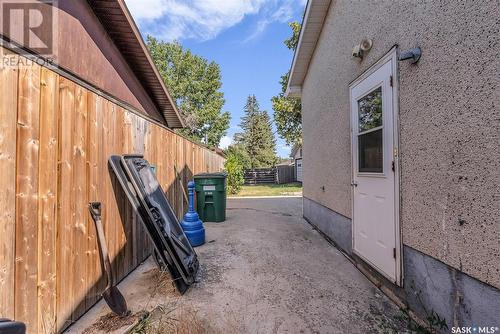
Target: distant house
296 155
402 152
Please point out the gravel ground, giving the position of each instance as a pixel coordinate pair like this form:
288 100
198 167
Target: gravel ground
265 270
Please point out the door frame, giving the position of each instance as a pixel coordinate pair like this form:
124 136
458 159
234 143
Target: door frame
297 169
391 56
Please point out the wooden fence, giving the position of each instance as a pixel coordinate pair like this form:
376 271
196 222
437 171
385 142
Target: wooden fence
260 176
55 139
285 174
279 174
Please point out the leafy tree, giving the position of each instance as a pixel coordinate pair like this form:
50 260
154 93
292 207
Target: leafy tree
234 170
293 41
257 137
287 110
194 84
240 152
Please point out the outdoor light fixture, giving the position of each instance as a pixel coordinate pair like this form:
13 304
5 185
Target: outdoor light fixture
365 46
413 54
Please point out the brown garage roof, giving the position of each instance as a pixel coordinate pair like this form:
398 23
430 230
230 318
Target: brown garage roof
116 19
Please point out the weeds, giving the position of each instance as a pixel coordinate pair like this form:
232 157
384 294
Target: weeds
164 284
434 322
167 319
172 316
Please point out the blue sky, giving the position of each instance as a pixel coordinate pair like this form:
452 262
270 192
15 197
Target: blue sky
245 37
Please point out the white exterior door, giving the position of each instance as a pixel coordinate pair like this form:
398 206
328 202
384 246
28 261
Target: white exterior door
374 157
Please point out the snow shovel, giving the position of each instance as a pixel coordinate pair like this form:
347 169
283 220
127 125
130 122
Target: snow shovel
111 294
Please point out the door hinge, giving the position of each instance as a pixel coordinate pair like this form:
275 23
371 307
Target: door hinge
393 166
394 252
390 81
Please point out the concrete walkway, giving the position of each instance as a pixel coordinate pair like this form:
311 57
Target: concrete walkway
266 270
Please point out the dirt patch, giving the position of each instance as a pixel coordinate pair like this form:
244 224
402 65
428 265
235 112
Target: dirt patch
111 322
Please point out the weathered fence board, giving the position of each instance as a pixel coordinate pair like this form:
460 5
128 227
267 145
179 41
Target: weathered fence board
8 121
65 242
52 167
47 203
28 132
95 180
80 200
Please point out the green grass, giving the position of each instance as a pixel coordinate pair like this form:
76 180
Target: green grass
288 189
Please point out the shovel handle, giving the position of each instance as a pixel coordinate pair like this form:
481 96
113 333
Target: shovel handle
95 212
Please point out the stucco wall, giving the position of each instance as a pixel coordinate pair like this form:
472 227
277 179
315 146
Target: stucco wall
449 122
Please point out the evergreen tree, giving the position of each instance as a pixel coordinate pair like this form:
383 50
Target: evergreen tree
257 137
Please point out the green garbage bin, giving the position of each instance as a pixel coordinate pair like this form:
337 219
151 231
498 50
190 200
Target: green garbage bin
211 196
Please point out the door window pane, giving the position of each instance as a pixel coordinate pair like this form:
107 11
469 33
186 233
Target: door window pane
370 152
370 110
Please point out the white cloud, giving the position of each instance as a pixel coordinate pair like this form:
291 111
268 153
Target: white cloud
147 9
205 19
283 13
225 142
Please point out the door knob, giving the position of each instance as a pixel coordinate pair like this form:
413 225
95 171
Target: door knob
354 183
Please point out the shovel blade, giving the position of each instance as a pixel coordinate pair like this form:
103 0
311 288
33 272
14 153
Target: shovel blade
116 301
